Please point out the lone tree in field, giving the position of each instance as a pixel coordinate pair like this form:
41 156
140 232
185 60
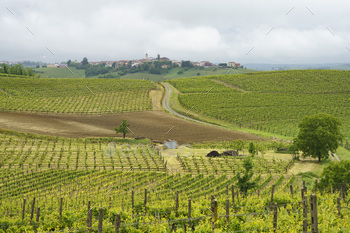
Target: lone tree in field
318 134
123 128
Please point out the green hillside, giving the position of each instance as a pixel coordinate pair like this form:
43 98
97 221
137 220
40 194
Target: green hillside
74 95
173 73
185 72
72 72
272 102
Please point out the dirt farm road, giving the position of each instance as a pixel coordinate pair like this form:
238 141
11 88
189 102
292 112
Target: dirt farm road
166 105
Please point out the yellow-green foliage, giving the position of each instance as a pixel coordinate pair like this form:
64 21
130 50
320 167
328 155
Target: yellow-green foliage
269 101
74 95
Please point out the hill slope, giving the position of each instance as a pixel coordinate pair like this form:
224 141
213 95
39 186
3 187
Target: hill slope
75 95
268 101
173 73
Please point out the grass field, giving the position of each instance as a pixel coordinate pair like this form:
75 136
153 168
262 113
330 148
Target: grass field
272 102
72 72
88 96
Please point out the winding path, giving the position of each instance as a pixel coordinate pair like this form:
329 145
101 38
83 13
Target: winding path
335 156
166 106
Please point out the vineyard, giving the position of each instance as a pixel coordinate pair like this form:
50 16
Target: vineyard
51 184
272 102
54 184
83 96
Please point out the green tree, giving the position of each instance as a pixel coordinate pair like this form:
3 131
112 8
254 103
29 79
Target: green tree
318 135
5 68
239 144
335 175
243 181
84 61
252 149
260 147
186 64
123 128
69 62
17 69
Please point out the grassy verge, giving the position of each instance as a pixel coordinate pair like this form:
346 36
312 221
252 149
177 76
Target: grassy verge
95 140
343 153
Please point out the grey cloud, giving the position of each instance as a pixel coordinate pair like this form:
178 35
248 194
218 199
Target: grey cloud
197 30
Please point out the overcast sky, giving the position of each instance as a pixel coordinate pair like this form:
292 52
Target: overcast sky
249 31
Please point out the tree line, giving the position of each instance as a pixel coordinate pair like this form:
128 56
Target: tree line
17 69
103 71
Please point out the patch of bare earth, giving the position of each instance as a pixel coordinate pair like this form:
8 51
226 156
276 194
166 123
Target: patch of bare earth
150 124
156 96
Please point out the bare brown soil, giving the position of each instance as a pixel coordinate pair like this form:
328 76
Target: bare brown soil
150 124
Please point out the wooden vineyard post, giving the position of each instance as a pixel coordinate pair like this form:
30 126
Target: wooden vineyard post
275 217
37 219
313 208
291 190
89 217
228 210
214 210
189 212
145 200
176 203
24 208
338 206
233 196
61 201
100 218
32 213
304 190
304 214
117 223
227 190
272 189
302 193
315 186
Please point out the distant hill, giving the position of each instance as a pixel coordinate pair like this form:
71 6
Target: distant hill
270 67
174 73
